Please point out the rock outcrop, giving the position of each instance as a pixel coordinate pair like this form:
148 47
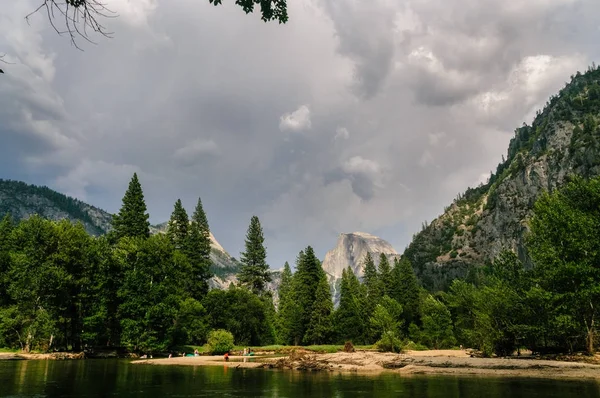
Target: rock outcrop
22 200
563 140
350 251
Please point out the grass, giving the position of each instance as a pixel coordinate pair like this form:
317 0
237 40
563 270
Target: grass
9 350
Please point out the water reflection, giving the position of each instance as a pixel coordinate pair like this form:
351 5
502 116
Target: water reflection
101 378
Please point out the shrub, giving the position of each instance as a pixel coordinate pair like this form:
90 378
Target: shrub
389 342
219 342
349 347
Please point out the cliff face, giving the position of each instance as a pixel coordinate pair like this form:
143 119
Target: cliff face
351 250
563 140
22 200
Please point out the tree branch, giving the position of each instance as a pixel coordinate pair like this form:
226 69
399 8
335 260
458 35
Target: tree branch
76 18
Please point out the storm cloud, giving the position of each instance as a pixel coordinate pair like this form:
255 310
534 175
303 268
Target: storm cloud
354 115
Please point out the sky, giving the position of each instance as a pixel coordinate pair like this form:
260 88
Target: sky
354 116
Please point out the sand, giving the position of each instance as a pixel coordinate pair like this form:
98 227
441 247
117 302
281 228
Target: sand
433 362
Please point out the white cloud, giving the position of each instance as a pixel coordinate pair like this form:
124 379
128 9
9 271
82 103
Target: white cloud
435 138
441 84
195 150
342 133
296 121
358 164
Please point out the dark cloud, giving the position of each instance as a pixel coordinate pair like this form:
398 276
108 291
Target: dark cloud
353 116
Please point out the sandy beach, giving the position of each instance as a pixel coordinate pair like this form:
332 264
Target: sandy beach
449 362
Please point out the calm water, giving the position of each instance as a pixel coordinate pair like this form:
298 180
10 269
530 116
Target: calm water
103 378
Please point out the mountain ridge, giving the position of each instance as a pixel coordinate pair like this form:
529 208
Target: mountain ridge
563 140
22 200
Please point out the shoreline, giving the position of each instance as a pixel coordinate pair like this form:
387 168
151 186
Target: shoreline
434 362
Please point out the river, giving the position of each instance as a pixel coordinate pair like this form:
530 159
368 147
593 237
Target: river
118 378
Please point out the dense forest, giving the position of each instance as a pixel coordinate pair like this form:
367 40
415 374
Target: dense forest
62 289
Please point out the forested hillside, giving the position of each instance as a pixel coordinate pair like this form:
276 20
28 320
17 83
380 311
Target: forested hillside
22 200
563 140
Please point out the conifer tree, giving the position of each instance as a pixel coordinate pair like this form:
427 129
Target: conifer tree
349 321
6 227
406 289
385 275
372 287
320 326
198 251
177 229
289 315
306 279
132 220
370 277
255 270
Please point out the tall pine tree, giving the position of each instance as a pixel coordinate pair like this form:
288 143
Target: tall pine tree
132 220
289 314
255 270
385 275
371 285
406 290
349 320
177 229
6 227
320 326
306 279
198 252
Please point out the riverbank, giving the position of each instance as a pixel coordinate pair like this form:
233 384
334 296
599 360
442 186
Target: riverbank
438 362
51 356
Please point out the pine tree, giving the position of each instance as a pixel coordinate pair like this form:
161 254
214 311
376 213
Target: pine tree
306 280
6 227
289 315
371 285
349 321
198 252
132 220
320 326
406 289
255 270
177 229
370 277
385 275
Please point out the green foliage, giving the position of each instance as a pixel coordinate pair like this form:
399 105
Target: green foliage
386 322
240 312
177 229
255 270
372 285
405 289
565 248
151 292
198 251
320 327
16 199
289 322
437 329
350 315
269 9
132 220
219 342
385 275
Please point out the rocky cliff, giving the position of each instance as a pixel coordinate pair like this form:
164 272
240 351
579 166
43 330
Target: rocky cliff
351 249
563 140
22 200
